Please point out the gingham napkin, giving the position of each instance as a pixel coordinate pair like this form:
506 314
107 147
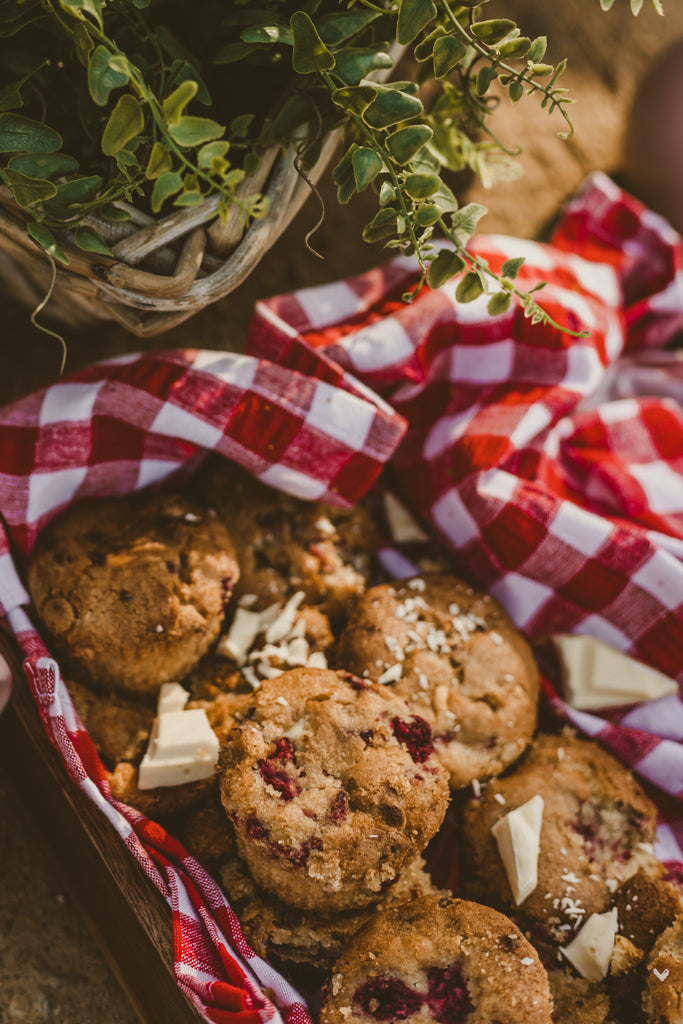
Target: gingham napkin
571 513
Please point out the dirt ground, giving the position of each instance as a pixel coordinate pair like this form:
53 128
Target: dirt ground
608 55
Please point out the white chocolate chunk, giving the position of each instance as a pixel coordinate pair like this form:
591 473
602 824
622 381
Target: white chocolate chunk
403 527
597 675
590 951
280 627
172 697
392 674
244 628
317 660
518 836
182 748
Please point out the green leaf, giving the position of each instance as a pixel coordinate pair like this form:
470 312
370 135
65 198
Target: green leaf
166 185
175 104
515 49
193 131
516 91
445 265
354 64
493 31
337 28
10 96
80 8
72 194
82 43
541 70
382 225
464 222
537 49
498 303
44 165
232 52
239 126
19 134
413 17
448 52
511 268
46 240
428 214
114 213
470 288
406 143
101 77
193 197
387 193
486 75
354 98
422 186
366 166
425 48
344 169
268 34
160 160
89 240
390 107
28 191
310 53
125 122
210 152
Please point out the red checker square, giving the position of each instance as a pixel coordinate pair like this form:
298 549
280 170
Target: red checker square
477 565
208 398
473 453
554 561
666 428
17 449
662 645
354 479
514 536
629 745
555 615
150 374
594 587
626 549
633 610
63 445
316 454
263 427
113 440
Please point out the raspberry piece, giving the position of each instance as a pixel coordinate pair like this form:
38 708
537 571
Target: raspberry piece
447 995
416 735
387 999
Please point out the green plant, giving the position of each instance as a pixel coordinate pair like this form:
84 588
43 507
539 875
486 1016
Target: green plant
99 108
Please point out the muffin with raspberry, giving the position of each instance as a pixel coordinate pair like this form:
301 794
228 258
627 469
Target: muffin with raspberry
333 787
454 655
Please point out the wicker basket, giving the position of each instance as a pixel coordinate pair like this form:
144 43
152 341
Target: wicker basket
164 269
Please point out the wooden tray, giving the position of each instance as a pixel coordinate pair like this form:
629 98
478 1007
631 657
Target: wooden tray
129 918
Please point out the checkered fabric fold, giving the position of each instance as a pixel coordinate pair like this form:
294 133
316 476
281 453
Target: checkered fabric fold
502 436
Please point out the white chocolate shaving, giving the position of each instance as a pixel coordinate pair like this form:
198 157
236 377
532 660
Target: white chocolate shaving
518 835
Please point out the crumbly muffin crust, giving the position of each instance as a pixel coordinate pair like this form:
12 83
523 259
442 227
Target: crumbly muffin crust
438 959
597 830
458 660
132 590
333 788
662 1000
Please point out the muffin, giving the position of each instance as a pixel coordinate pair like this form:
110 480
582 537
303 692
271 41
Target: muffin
333 788
132 590
288 545
457 659
438 959
662 1001
597 829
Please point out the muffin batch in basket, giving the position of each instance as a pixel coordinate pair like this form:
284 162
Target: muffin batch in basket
322 740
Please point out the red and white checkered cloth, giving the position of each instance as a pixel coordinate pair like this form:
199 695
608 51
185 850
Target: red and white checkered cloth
564 504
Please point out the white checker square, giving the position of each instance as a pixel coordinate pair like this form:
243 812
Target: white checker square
662 576
673 545
620 410
585 372
496 483
663 717
341 415
536 254
153 470
666 845
662 485
482 364
328 303
446 431
382 344
453 518
664 767
68 402
48 491
12 592
592 725
615 338
578 304
474 312
172 421
533 422
520 596
293 482
599 279
238 370
595 625
580 529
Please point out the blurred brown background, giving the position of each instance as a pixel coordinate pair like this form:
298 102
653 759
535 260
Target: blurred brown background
49 973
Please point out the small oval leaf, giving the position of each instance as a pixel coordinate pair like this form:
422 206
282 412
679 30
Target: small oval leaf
469 289
193 131
19 134
406 143
445 265
366 166
125 122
